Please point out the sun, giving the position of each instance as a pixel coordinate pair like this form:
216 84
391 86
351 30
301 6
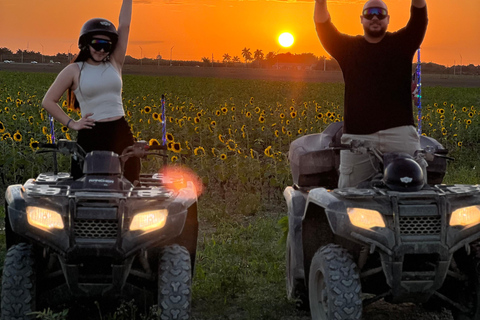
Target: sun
286 39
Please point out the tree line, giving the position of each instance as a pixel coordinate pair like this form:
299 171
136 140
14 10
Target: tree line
246 58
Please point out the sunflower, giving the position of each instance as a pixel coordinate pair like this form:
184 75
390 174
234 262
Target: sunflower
469 121
233 118
17 136
252 153
6 136
155 116
213 124
459 143
221 138
14 117
248 114
282 115
170 137
276 133
213 152
153 142
470 114
30 120
444 103
64 129
293 114
174 159
251 100
261 119
292 109
65 103
199 151
441 111
319 116
67 135
464 109
223 156
33 144
267 151
231 145
7 109
224 110
196 120
263 128
300 131
177 147
218 112
257 110
2 127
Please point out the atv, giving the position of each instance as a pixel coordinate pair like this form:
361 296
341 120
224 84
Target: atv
100 236
394 238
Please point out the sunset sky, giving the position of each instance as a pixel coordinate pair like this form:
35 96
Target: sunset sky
200 28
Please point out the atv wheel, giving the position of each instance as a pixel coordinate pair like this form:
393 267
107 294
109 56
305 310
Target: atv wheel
174 283
334 285
19 283
470 296
296 289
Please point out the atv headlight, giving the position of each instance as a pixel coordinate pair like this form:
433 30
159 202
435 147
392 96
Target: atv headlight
149 220
44 218
465 216
365 219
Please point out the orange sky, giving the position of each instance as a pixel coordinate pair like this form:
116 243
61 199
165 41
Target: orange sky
200 28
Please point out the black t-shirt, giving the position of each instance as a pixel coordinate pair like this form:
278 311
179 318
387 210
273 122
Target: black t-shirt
377 75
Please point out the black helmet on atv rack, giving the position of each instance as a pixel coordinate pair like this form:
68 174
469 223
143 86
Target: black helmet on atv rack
97 26
404 175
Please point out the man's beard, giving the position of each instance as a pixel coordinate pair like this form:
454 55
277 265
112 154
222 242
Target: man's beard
375 33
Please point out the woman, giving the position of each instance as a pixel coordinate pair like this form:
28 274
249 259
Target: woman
94 83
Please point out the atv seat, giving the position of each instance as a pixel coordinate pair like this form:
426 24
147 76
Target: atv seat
102 163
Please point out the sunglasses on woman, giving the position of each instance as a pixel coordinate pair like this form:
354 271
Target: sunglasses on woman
380 13
99 44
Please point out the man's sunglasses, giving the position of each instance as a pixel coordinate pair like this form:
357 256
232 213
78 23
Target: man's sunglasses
99 44
380 13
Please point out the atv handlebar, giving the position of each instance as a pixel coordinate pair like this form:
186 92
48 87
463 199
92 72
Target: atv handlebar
359 146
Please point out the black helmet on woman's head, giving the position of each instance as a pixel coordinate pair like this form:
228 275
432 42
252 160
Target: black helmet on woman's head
97 26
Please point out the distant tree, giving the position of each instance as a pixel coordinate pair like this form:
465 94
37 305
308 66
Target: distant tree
247 55
258 55
226 58
236 59
205 61
270 56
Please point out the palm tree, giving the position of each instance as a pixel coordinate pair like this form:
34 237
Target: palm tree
205 61
236 59
247 55
258 54
226 59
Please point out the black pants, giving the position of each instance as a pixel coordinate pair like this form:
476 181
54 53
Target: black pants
108 136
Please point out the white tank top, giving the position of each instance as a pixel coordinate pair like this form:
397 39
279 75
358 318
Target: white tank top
99 91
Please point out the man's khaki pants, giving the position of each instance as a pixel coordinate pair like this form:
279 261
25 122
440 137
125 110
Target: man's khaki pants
356 168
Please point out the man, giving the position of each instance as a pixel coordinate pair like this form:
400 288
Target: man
377 70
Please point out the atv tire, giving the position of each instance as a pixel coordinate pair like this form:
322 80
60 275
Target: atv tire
334 285
174 283
19 283
470 296
296 289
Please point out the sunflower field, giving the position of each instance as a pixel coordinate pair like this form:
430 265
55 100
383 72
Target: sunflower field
234 134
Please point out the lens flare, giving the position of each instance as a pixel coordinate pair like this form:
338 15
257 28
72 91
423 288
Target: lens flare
176 178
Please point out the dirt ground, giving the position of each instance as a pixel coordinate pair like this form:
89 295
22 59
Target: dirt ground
431 80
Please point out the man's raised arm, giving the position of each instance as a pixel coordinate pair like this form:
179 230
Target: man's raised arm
321 14
419 3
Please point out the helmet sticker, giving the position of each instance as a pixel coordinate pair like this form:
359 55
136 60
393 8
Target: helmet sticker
406 179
